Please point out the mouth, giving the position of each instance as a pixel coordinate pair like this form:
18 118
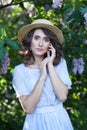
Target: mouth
39 49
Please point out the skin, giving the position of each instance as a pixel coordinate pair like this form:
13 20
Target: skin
40 45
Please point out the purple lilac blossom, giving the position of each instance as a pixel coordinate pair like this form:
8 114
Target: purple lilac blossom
78 65
7 94
80 61
5 64
80 69
3 70
75 62
47 7
6 61
57 3
74 70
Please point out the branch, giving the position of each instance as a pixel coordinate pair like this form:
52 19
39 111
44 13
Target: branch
10 4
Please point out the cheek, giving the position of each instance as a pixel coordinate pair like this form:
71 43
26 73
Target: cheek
33 44
47 46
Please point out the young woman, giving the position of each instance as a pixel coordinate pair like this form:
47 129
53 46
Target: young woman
42 81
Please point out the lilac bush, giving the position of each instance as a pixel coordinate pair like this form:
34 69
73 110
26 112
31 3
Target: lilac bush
71 17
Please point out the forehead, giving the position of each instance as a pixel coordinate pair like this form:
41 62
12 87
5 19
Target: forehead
39 32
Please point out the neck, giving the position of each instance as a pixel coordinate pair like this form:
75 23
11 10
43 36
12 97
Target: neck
38 60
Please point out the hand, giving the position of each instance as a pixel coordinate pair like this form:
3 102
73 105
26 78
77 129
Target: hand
53 54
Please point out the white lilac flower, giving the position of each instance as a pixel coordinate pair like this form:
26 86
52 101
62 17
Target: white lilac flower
57 3
85 16
85 42
66 16
31 12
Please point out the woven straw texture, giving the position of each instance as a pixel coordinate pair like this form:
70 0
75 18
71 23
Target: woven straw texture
38 24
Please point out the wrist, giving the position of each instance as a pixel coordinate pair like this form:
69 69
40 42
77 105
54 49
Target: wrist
42 78
50 65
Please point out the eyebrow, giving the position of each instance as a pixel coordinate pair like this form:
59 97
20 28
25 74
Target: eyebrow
39 36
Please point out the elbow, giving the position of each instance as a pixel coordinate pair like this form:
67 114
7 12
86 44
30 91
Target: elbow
28 110
63 98
27 107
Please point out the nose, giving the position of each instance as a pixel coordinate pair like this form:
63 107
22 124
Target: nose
41 42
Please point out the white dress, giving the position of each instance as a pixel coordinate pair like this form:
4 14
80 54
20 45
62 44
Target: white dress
49 113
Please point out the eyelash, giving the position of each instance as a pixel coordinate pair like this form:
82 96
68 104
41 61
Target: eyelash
36 37
45 39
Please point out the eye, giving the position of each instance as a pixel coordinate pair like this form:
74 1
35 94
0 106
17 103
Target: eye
46 39
36 37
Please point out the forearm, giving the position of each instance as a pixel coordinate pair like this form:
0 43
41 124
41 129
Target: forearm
59 87
30 101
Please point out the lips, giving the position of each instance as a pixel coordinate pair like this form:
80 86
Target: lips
39 49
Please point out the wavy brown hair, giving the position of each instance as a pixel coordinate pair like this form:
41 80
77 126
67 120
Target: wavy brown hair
27 54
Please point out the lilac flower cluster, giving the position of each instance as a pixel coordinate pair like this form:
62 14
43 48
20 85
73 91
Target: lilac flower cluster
78 65
5 63
85 41
85 16
47 7
57 3
66 16
31 11
7 94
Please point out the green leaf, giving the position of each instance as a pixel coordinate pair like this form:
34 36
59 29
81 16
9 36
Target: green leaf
2 33
68 10
12 44
83 10
3 52
1 43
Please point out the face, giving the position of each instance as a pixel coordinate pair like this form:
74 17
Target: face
40 43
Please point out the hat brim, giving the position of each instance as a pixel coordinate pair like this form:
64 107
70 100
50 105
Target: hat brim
27 28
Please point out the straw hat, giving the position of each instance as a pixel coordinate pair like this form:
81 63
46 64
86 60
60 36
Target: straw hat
40 23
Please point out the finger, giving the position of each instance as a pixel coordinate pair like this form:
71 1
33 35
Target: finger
43 62
48 54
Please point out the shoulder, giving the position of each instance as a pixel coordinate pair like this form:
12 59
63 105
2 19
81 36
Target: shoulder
62 63
19 68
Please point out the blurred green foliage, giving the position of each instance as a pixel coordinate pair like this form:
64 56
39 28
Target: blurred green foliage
70 19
